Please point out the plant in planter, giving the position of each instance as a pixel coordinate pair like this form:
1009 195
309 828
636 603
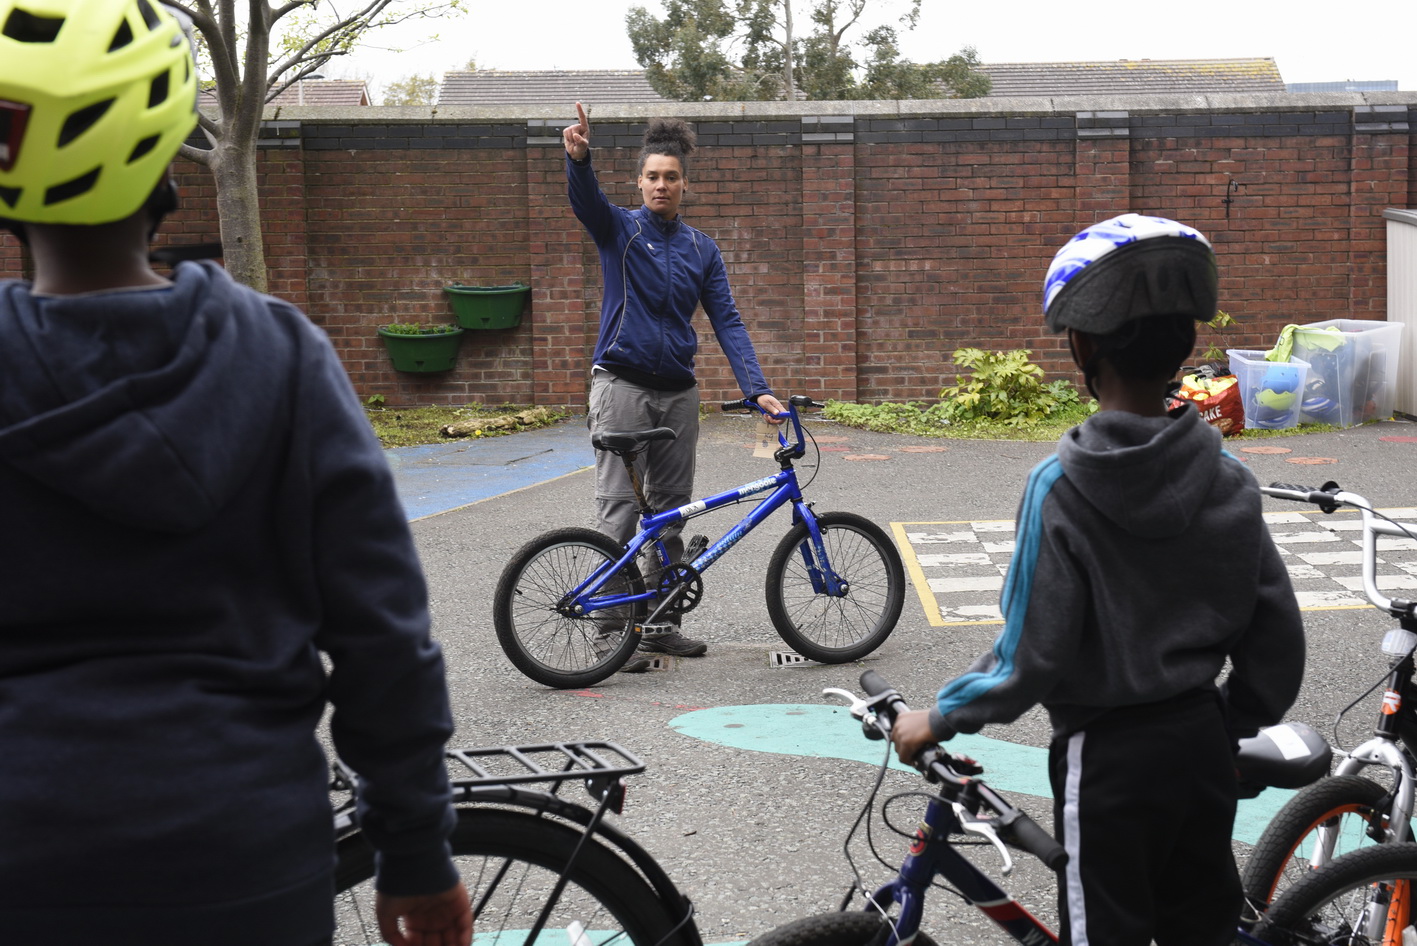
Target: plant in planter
421 348
488 307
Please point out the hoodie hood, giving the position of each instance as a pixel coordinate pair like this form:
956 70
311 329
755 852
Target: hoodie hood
1149 475
126 402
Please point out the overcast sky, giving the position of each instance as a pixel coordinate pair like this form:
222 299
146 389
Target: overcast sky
1373 39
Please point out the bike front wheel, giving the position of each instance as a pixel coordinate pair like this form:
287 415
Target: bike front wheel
822 626
547 644
834 929
1325 820
1362 898
510 861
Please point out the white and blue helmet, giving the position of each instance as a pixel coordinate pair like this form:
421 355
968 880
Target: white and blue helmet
1126 268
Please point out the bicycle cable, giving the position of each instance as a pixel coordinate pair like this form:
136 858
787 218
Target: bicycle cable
862 815
816 467
859 882
1344 712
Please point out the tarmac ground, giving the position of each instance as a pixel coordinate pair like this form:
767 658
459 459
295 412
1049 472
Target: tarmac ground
753 776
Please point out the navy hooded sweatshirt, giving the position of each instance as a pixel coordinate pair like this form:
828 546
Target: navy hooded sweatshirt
195 512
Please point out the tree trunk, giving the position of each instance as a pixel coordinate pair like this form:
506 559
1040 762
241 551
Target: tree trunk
239 208
788 70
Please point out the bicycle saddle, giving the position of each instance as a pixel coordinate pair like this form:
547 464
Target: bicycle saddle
618 441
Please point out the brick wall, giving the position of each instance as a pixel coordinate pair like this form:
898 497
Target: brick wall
865 242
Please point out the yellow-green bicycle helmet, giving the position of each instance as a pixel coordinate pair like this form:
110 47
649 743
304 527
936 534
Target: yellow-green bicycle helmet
96 96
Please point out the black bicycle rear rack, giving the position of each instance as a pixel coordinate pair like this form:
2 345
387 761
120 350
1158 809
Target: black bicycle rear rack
599 764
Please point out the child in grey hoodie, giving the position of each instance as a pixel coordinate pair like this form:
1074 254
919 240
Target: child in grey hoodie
1118 642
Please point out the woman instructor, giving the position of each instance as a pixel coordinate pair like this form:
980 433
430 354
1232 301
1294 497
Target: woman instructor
657 270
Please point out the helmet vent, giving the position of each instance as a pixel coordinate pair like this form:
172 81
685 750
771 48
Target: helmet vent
143 147
157 92
82 120
27 28
122 37
13 119
150 16
69 189
10 195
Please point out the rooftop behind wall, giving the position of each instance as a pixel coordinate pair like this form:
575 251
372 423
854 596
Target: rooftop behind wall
865 241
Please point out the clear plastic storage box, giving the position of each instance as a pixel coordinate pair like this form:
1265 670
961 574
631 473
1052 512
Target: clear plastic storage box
1270 390
1352 375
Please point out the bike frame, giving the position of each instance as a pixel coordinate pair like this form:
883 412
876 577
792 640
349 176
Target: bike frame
932 851
931 854
1391 743
782 489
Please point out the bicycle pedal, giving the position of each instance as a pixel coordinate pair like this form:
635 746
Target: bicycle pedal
695 547
648 631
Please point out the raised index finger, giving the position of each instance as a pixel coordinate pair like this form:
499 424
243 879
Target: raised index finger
580 114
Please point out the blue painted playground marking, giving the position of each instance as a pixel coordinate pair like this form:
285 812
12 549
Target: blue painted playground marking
830 732
440 477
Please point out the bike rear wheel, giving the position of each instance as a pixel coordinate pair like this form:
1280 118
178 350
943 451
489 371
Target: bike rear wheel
1362 898
1344 808
824 627
509 862
834 929
553 648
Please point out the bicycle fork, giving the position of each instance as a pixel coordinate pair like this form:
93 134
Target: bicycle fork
825 579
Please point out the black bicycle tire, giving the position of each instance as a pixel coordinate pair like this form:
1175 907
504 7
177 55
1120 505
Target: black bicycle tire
534 842
569 634
1289 915
879 554
1272 860
856 928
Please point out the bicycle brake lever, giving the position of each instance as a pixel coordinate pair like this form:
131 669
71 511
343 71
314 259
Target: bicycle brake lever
871 724
859 706
972 825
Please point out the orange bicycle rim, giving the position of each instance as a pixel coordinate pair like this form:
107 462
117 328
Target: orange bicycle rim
1399 912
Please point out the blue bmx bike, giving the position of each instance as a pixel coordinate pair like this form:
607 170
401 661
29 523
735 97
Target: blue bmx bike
572 604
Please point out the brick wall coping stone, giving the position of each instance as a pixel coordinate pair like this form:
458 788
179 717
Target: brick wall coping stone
763 111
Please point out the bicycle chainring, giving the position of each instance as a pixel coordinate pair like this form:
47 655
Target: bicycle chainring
691 592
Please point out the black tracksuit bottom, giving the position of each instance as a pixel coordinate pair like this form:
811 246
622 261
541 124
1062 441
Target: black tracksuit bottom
1144 803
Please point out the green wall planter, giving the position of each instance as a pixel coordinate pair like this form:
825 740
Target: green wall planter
432 349
484 307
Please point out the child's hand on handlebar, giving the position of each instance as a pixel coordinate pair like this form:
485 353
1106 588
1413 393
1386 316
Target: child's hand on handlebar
911 733
773 407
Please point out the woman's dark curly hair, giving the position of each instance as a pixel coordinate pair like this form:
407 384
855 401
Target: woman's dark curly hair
668 136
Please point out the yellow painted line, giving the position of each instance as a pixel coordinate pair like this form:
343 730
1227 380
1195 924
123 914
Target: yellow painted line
917 576
928 602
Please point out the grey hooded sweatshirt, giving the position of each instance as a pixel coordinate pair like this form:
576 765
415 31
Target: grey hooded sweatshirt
1141 564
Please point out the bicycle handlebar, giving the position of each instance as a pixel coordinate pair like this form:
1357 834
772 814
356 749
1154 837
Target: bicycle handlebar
744 404
1014 827
1328 498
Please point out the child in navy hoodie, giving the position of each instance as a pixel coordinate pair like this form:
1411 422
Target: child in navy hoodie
203 550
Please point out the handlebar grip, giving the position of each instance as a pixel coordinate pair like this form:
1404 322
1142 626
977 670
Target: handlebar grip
873 683
1025 834
1323 497
742 404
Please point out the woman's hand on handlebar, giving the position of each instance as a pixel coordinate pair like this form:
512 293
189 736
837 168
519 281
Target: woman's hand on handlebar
911 733
772 406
